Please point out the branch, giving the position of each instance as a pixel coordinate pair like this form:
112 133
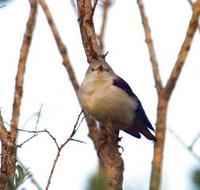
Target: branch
190 2
76 127
89 39
150 45
193 25
110 161
35 133
194 141
61 46
21 69
9 148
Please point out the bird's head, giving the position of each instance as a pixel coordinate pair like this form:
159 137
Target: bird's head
100 70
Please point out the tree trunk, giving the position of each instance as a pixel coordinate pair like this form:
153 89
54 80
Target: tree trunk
159 146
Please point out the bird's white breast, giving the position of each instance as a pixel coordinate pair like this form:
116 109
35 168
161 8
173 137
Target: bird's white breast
106 102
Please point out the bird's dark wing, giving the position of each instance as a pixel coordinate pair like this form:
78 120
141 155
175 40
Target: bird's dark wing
141 115
121 83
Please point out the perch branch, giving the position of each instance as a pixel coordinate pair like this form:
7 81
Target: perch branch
110 161
89 39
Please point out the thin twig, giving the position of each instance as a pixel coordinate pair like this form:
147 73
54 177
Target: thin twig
150 46
27 140
38 116
70 138
61 46
194 141
35 133
184 144
190 2
21 70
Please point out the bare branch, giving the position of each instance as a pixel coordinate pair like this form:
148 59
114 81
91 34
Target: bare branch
194 141
21 69
163 100
35 133
38 116
190 2
9 148
76 126
183 51
61 46
150 46
89 39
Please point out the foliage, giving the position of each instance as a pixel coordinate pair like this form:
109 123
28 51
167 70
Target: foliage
21 176
196 178
98 182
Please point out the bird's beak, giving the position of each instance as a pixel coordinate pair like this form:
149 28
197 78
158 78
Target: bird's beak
100 68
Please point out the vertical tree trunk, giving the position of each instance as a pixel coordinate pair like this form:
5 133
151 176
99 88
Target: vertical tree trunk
8 161
111 164
110 161
159 146
8 140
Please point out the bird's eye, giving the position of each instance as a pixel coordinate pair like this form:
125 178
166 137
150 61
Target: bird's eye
107 70
92 69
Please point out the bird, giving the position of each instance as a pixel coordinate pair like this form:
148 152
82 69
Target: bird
109 99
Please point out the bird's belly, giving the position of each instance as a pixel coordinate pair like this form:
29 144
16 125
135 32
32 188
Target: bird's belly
106 108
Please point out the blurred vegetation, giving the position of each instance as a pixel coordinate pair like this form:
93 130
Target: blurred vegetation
21 176
196 178
97 181
4 3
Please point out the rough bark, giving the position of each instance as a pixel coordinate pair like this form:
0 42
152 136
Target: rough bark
8 138
164 97
110 161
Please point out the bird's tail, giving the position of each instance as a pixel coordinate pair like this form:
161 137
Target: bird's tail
144 131
137 128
